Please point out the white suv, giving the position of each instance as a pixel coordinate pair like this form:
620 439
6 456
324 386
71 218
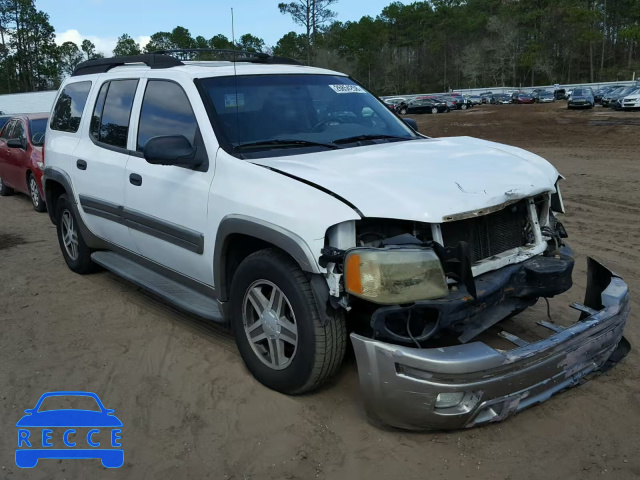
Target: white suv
290 203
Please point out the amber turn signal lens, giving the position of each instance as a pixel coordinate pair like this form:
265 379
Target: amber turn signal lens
352 277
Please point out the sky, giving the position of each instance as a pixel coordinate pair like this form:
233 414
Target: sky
103 21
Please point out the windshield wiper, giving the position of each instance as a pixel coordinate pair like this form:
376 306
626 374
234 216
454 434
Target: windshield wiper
283 142
357 138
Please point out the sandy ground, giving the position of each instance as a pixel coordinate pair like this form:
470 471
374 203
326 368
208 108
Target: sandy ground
191 410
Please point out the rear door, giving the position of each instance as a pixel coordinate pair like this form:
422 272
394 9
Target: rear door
166 206
101 158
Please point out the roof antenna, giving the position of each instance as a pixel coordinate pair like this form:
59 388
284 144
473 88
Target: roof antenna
235 76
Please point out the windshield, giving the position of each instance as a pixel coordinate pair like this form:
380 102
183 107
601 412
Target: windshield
581 92
259 112
37 127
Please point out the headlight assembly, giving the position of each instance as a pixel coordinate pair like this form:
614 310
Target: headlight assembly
394 276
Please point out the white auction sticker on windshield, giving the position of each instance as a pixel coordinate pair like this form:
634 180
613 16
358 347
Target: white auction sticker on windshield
233 100
347 88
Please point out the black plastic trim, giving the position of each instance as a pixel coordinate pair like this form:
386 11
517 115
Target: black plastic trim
256 228
169 232
102 65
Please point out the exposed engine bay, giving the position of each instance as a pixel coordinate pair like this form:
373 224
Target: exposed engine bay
473 271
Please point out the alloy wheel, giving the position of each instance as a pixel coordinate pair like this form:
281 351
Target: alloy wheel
270 324
69 235
33 190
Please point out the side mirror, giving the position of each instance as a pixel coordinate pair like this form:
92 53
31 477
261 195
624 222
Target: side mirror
412 123
171 150
15 143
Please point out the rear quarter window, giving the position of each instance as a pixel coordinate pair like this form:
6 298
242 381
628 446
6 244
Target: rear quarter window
69 107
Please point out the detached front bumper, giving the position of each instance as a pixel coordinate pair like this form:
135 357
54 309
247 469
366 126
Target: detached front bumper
400 385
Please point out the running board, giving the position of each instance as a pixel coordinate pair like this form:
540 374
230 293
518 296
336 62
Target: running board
170 290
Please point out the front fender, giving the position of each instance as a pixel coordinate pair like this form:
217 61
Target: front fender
262 230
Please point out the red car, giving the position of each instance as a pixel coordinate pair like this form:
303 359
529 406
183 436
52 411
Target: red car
21 159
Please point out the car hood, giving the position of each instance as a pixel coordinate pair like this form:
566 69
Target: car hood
424 180
69 418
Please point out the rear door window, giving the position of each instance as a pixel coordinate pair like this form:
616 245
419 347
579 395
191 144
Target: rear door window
114 113
67 112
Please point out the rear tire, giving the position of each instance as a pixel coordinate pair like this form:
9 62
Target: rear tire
463 106
292 350
74 249
5 190
34 193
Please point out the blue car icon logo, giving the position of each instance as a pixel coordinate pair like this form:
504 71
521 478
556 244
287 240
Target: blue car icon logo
68 433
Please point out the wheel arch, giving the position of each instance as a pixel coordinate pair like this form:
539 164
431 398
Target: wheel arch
239 235
55 182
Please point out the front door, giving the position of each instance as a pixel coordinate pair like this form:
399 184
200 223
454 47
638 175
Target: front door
166 206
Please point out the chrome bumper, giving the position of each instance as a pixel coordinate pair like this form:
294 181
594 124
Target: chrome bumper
399 385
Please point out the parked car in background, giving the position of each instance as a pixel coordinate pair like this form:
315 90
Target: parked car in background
611 95
559 93
398 105
500 99
597 96
427 105
21 162
461 102
614 98
522 97
543 96
486 96
631 101
581 98
476 100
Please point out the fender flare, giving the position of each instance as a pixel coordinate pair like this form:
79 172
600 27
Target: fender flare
262 230
52 174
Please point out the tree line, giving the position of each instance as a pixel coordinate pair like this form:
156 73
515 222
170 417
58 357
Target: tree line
418 47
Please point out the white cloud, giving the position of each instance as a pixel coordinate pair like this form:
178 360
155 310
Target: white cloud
104 45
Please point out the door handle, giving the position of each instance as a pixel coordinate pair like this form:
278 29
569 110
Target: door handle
81 164
135 179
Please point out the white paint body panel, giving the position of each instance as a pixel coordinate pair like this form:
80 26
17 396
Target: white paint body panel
424 180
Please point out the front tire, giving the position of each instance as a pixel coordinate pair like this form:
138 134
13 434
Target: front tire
403 111
463 106
34 193
434 110
280 335
5 190
74 249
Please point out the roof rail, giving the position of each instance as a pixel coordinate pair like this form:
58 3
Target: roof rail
230 55
101 65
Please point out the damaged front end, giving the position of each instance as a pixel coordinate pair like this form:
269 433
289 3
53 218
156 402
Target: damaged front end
420 296
471 384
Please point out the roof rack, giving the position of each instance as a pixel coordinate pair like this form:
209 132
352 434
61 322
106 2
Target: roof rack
101 65
229 55
166 59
